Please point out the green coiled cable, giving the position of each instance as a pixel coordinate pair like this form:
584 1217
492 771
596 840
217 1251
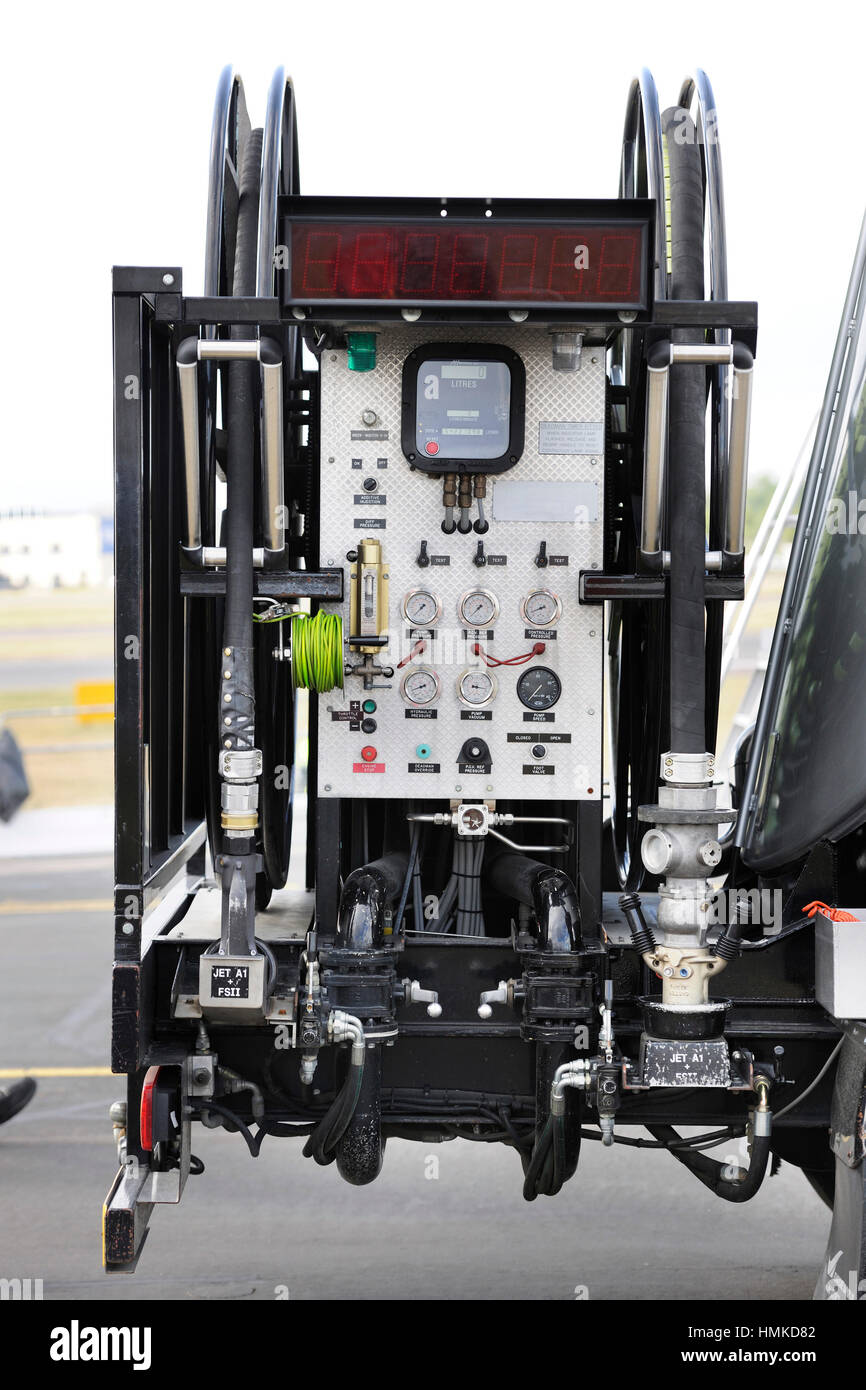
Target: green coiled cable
317 648
317 651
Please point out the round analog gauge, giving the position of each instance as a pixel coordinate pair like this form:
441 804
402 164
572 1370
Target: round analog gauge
541 608
420 686
538 688
476 687
421 608
478 608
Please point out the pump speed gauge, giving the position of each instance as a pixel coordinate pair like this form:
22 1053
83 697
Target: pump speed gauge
541 608
478 608
421 608
539 688
476 687
420 686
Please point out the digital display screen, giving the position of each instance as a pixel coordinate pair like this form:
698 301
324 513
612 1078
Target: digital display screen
457 261
462 409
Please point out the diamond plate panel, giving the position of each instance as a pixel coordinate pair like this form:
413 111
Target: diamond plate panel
412 512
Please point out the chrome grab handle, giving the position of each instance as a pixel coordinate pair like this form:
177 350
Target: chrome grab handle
269 356
662 357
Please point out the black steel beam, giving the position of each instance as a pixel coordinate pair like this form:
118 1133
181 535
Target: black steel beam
326 585
596 587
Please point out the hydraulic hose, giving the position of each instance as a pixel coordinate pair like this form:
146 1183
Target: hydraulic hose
322 1143
711 1173
687 486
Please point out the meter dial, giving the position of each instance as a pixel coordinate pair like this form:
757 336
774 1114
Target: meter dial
420 686
538 688
421 608
541 608
476 687
478 608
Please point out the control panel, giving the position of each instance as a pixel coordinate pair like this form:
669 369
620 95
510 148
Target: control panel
462 493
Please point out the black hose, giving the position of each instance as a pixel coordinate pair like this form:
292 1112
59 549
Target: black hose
329 1131
234 1123
238 628
687 486
538 1175
711 1173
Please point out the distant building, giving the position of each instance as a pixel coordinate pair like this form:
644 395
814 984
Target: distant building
52 550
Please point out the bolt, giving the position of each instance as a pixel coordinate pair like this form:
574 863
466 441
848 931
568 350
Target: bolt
327 787
128 929
168 279
667 972
200 1076
458 787
592 632
227 651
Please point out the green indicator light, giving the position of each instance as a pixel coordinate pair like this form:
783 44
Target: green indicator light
361 351
369 707
422 751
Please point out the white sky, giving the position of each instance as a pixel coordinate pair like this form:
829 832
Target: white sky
108 111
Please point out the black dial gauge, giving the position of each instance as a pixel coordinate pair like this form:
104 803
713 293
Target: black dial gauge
539 688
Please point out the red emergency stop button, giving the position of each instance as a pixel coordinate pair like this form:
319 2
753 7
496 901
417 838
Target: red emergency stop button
369 754
431 446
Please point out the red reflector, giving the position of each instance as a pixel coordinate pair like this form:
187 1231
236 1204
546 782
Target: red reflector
145 1123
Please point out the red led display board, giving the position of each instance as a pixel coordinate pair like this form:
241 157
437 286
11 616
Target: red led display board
589 263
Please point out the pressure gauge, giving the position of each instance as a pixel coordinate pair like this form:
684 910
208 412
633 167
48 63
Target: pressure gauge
420 686
538 688
421 608
541 608
476 687
478 608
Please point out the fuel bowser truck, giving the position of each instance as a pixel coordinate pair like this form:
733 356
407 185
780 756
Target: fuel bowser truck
428 511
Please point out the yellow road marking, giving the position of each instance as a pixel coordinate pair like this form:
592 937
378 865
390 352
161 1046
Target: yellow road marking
21 907
17 1073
